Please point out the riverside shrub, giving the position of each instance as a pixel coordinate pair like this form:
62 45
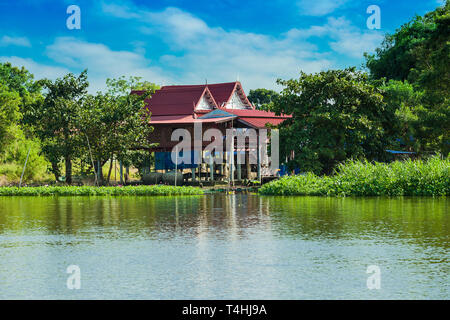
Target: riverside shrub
362 178
156 190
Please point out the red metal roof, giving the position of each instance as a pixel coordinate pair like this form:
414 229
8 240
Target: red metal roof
176 101
221 92
176 104
260 122
258 118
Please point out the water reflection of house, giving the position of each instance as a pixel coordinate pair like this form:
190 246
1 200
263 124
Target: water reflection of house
221 106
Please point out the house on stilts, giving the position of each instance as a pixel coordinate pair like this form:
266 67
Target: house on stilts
218 106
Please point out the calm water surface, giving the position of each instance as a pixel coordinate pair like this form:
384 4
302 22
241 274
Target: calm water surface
224 247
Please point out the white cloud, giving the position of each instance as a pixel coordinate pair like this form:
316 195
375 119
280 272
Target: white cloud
198 51
14 41
39 70
119 11
344 38
350 40
218 55
355 44
319 7
101 61
74 55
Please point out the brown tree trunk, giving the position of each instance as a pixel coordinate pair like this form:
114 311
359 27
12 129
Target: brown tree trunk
127 174
121 173
68 170
110 169
56 171
99 171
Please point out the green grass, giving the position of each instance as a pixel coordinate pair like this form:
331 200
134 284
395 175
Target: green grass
361 178
156 190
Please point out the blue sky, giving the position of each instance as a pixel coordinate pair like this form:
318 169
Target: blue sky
186 42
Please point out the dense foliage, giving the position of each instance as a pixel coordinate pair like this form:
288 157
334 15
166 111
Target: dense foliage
55 119
261 98
417 47
18 92
362 178
336 115
418 55
57 122
155 190
114 125
401 104
74 126
13 158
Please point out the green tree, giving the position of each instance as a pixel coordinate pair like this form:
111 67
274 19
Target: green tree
409 51
336 115
419 52
19 80
13 158
404 102
433 77
116 123
261 98
18 91
55 117
9 113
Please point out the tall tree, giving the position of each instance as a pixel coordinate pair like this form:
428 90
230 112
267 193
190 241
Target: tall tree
261 98
407 52
404 103
116 123
336 115
9 113
419 52
55 120
17 91
19 80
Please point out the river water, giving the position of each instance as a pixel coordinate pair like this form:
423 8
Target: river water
224 247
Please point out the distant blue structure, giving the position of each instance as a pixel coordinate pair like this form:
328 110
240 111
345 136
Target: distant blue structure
284 170
400 152
163 161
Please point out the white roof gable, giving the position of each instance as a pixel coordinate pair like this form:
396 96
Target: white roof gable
236 102
205 104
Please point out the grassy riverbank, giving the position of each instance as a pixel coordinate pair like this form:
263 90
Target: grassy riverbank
156 190
357 178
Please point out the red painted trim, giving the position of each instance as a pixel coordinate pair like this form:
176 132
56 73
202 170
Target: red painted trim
229 97
245 96
200 99
213 99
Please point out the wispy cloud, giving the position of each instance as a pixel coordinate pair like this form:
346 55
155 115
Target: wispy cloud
189 50
343 37
101 61
222 55
319 7
68 54
14 41
119 10
38 69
